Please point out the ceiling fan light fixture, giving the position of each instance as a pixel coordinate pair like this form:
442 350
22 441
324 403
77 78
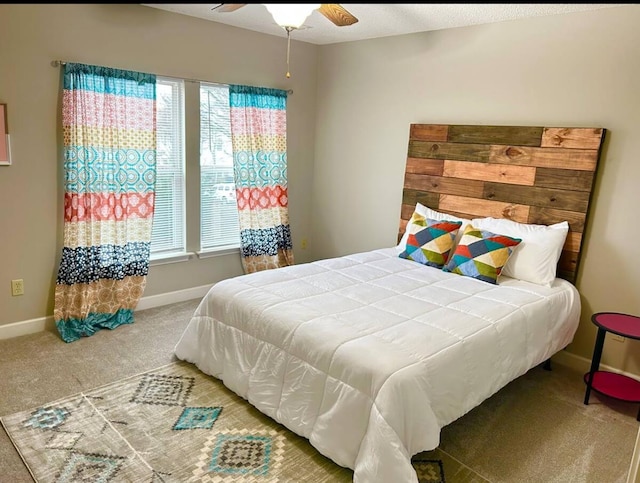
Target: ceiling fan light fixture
290 16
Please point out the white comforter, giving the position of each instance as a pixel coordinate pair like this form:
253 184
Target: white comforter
370 355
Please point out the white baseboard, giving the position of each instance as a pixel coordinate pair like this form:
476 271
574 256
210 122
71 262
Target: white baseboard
40 324
572 361
173 297
582 364
25 327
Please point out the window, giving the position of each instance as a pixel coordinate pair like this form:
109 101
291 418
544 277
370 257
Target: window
168 235
219 226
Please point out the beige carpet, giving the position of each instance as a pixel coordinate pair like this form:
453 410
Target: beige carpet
534 430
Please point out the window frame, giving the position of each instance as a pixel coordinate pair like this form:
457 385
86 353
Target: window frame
222 249
176 254
190 92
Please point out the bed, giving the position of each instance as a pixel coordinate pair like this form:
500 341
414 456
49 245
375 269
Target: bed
369 355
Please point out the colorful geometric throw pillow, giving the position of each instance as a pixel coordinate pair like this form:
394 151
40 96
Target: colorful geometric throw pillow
481 254
429 241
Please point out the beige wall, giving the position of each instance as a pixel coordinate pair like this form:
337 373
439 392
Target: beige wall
137 38
579 69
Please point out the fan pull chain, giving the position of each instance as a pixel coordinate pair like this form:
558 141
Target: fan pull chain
288 49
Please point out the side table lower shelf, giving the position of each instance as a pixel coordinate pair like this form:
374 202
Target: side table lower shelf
617 386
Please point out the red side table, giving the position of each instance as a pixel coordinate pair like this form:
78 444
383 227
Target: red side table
617 386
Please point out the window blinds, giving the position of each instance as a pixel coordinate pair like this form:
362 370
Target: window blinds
219 226
169 217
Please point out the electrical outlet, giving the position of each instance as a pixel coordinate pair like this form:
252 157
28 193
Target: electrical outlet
303 243
617 338
17 287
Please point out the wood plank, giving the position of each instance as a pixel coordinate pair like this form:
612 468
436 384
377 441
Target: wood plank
581 159
479 208
402 228
522 136
425 166
429 132
572 138
568 179
573 241
462 152
440 184
533 196
411 197
568 262
547 216
569 277
504 173
459 214
406 211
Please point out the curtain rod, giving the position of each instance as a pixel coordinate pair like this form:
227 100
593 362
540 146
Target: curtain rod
58 63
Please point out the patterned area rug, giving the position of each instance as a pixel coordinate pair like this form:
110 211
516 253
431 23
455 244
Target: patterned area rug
172 424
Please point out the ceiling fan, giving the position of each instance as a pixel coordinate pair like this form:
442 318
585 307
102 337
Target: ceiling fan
333 11
291 16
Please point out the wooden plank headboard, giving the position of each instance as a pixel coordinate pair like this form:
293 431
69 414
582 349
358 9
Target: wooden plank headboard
540 175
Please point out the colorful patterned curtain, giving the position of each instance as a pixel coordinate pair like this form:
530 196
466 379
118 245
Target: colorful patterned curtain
259 141
109 125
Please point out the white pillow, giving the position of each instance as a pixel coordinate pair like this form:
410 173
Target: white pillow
438 216
536 258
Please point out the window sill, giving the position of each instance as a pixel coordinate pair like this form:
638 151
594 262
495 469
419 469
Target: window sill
219 252
170 258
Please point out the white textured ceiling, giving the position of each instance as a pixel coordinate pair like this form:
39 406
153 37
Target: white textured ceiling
377 20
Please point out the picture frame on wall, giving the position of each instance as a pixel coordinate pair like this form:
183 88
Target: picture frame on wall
5 145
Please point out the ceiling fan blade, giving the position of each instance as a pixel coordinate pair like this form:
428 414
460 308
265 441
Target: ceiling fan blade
228 7
337 14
